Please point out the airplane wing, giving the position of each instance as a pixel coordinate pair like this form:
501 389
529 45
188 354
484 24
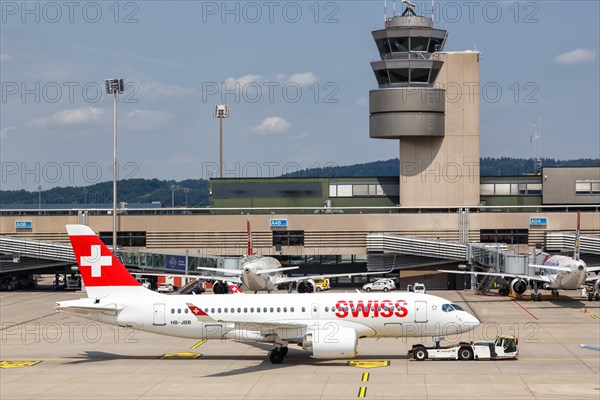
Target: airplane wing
590 346
551 268
274 270
288 279
593 269
541 278
592 278
237 272
234 279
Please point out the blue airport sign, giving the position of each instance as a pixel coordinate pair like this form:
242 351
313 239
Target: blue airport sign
176 262
538 221
23 224
278 223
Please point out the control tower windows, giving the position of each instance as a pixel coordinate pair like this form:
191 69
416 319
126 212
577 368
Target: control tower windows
382 77
435 45
400 44
399 75
420 75
419 43
384 46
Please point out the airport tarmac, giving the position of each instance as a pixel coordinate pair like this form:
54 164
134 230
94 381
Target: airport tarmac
47 355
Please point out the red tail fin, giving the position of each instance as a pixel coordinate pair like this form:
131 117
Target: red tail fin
98 266
250 252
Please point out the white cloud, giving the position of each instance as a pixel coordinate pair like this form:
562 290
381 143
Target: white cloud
4 131
5 57
145 119
575 57
158 89
79 116
303 78
242 80
272 125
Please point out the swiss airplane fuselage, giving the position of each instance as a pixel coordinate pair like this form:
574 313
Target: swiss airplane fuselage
285 315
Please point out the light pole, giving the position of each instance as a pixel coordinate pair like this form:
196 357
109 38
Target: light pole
114 87
39 197
172 196
186 190
221 111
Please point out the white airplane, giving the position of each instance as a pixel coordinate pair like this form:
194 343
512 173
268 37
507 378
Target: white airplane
558 273
264 274
328 325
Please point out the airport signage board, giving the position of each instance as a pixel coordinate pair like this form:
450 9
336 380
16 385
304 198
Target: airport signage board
23 224
176 262
538 221
278 223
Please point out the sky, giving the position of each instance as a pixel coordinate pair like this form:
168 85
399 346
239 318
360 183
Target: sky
295 75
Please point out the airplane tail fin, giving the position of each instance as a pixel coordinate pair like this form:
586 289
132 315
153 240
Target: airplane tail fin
103 274
250 251
577 237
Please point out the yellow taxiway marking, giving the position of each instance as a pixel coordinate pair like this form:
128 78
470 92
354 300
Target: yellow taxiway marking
369 363
18 363
362 392
583 310
200 343
185 355
365 377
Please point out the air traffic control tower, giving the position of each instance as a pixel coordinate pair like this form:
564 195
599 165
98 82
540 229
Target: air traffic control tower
429 101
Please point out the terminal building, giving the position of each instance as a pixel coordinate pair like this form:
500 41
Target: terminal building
415 223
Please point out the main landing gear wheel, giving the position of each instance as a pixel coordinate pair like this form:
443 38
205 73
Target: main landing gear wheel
597 296
591 296
420 354
539 297
465 353
277 355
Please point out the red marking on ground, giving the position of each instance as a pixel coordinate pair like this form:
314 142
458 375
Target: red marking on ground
22 301
65 317
526 310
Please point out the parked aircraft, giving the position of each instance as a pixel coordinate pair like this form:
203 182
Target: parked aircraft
559 273
326 325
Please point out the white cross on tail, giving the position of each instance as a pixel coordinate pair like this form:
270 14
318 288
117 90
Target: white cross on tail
96 261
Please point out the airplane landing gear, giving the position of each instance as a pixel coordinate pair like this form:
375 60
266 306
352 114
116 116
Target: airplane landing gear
278 354
536 296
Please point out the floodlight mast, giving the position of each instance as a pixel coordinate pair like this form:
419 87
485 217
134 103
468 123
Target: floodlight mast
221 111
115 87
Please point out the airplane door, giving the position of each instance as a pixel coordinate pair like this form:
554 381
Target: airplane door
314 310
420 311
159 314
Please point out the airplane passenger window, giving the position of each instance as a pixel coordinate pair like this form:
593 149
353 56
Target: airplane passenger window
232 309
212 310
284 309
225 310
271 309
257 309
303 309
292 309
172 311
179 311
252 309
245 310
185 310
219 310
265 309
326 309
239 310
278 309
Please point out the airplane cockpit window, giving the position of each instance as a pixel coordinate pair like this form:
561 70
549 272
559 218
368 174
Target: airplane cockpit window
457 307
447 308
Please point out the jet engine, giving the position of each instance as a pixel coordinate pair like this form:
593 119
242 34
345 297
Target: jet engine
597 286
220 288
325 344
307 286
518 286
